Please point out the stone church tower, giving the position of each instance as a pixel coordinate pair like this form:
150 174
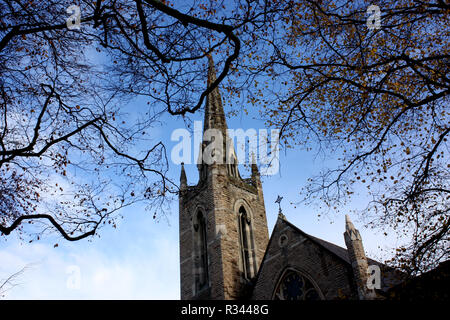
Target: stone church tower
223 226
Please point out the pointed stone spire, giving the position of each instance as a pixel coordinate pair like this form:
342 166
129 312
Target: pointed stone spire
215 119
211 70
357 257
183 179
256 178
255 170
225 160
214 113
351 230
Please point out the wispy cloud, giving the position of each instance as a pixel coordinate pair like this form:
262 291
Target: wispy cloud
144 272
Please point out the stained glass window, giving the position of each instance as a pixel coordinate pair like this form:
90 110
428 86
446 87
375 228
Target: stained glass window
294 286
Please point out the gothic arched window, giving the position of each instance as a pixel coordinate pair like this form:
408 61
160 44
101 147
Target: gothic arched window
201 248
246 244
294 286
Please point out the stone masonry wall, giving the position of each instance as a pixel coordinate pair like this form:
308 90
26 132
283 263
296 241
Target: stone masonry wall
332 275
219 198
228 197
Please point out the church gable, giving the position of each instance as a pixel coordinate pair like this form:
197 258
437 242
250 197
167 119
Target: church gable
293 256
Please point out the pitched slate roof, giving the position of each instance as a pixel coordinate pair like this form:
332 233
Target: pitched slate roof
391 276
342 253
334 249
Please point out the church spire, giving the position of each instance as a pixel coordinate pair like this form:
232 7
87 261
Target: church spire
218 260
351 230
214 113
214 119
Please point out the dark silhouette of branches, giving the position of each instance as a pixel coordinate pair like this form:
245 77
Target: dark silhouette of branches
70 154
378 98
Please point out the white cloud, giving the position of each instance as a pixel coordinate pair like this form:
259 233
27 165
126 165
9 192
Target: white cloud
147 272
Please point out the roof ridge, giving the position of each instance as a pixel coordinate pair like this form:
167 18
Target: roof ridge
322 243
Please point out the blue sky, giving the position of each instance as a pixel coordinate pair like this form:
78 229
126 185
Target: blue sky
140 259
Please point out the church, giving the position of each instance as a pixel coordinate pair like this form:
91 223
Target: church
226 252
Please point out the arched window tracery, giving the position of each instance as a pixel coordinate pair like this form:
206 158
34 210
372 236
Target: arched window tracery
246 244
201 252
295 286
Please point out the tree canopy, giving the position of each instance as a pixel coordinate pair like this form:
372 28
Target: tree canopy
378 97
68 158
